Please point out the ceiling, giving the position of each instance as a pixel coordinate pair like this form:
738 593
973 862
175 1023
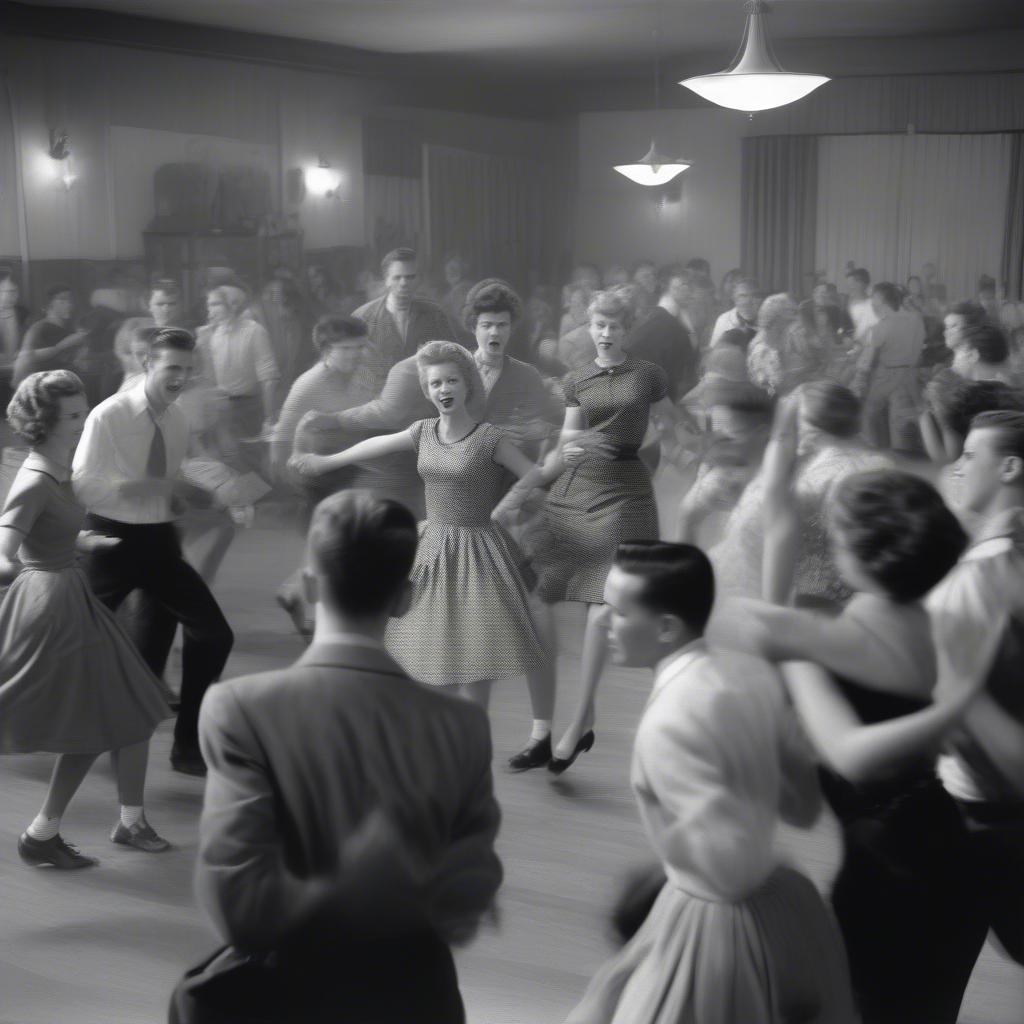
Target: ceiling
571 37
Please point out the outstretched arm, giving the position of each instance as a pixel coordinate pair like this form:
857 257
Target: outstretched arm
372 448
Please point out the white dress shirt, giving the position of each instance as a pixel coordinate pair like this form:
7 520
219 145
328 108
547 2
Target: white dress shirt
238 357
970 608
114 450
864 317
709 769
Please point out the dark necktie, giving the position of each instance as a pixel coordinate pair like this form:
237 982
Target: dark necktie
156 463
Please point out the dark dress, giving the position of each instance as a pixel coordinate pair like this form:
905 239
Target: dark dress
903 895
469 618
70 679
594 506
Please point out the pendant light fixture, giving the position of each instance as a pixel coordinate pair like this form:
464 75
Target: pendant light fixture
754 80
654 168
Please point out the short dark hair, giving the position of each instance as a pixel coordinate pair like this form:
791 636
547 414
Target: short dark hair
364 547
1010 429
167 285
699 265
334 328
54 290
401 255
861 275
176 338
898 528
891 294
988 341
957 402
677 579
970 311
831 408
491 295
35 407
750 283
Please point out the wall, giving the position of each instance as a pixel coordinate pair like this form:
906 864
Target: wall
92 89
618 221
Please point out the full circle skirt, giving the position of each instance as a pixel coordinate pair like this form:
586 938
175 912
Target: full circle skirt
71 682
773 958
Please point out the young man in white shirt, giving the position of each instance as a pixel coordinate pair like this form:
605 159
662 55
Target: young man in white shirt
977 615
863 315
126 473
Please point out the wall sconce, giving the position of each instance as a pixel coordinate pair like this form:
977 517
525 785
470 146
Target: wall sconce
60 150
323 180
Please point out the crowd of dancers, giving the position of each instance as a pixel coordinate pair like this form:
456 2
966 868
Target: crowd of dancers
853 464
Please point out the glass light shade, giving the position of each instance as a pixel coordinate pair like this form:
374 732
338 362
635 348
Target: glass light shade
754 92
652 168
755 80
322 180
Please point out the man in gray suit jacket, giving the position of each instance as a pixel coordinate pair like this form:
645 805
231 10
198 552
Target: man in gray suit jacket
347 835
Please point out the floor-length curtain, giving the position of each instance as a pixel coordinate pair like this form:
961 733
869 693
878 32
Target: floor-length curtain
393 184
495 211
1013 239
780 178
892 203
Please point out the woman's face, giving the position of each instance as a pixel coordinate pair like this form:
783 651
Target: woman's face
60 306
216 309
609 336
446 388
67 431
138 350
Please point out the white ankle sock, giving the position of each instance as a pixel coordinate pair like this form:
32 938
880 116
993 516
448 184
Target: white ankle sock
130 815
541 729
43 828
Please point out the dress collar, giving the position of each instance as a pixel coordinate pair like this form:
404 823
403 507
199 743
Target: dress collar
39 462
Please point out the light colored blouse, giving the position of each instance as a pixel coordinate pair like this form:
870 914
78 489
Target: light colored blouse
712 755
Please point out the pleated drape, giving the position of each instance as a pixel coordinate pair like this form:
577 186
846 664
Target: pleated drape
779 207
496 211
891 203
1013 238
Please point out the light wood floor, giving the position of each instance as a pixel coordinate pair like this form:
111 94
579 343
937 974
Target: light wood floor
106 946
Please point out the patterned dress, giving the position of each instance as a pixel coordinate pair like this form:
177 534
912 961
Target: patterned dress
594 506
70 680
738 556
469 618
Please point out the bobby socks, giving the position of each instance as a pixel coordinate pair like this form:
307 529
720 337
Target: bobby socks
130 815
43 828
541 729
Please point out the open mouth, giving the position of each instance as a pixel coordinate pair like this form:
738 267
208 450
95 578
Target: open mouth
446 403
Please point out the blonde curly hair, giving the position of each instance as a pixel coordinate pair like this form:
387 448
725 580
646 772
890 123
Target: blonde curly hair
435 353
614 303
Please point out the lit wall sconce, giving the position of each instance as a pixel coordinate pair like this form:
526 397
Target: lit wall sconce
60 150
323 180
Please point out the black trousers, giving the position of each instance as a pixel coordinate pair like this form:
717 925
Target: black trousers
149 560
996 844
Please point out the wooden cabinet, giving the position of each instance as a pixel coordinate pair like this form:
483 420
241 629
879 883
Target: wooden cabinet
187 256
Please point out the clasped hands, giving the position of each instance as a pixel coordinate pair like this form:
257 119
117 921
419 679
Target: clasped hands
591 444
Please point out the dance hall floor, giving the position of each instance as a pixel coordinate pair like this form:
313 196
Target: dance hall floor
105 946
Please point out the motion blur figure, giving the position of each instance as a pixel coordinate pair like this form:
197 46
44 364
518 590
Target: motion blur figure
347 836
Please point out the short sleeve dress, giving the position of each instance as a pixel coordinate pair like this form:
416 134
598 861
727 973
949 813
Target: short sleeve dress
70 680
469 619
596 505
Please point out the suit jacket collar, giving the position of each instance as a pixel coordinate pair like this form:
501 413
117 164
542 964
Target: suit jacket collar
352 656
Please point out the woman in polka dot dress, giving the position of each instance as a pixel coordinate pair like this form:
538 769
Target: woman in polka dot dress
469 622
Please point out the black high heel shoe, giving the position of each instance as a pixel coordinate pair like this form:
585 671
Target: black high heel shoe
557 765
534 755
